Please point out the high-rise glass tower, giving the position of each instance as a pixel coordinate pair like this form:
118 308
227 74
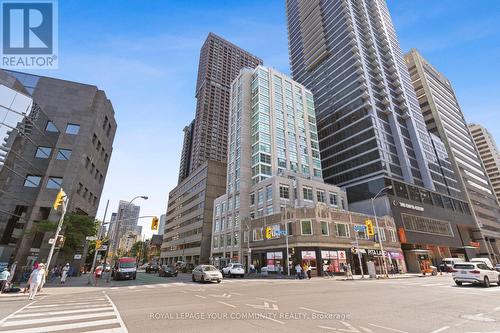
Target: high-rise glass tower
369 122
372 133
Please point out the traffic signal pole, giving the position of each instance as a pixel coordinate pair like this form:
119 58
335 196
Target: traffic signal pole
61 196
100 235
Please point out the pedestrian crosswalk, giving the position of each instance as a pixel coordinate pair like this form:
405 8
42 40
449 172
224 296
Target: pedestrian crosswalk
439 284
84 313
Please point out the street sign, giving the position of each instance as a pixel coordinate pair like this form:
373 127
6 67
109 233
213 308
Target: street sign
91 238
77 257
359 228
51 241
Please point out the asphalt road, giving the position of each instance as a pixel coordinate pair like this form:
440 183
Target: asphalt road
153 304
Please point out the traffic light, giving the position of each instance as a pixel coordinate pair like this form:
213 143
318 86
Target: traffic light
370 231
269 233
154 223
59 199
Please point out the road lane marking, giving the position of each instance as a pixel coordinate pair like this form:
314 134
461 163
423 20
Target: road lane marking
66 327
122 324
328 328
265 306
149 286
266 300
183 291
200 296
60 305
388 328
52 313
15 312
444 328
312 310
349 326
132 287
56 319
366 329
238 294
226 304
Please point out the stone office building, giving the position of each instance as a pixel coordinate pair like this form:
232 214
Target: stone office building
66 141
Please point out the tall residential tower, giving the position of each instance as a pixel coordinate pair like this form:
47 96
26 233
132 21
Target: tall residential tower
488 151
371 131
273 159
220 63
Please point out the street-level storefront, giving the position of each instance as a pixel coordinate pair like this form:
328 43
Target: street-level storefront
430 226
393 256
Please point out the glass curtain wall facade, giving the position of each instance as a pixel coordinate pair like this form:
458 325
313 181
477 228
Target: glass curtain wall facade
369 121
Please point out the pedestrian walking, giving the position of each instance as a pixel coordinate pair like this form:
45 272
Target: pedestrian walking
43 271
64 273
308 271
4 279
34 282
298 270
53 274
348 271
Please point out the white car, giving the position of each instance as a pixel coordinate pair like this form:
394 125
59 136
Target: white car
475 273
234 269
205 273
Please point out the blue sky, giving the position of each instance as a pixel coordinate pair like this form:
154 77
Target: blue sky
144 54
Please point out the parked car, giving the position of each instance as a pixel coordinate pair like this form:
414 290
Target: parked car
124 268
234 269
167 271
204 273
447 264
486 261
152 268
497 267
475 273
185 267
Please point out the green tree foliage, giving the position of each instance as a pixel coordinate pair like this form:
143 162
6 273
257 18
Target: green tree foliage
75 228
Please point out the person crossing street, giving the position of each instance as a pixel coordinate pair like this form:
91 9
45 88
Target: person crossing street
35 281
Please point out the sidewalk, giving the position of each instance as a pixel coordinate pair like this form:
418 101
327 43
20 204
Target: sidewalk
392 276
54 287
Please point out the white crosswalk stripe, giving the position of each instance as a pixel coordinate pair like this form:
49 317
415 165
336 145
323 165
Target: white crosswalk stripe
95 314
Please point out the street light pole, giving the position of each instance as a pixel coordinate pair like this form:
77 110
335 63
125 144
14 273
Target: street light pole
378 228
117 226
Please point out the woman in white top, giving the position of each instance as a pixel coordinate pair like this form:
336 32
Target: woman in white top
34 282
64 274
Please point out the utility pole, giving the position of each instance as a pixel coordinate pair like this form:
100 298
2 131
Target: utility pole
61 200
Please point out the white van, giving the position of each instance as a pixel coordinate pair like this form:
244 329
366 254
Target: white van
487 261
447 264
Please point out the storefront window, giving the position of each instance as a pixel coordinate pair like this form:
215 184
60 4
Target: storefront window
306 227
335 259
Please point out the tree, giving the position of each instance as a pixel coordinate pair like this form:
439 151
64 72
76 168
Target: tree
76 227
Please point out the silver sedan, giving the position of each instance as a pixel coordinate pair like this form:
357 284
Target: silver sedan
204 273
